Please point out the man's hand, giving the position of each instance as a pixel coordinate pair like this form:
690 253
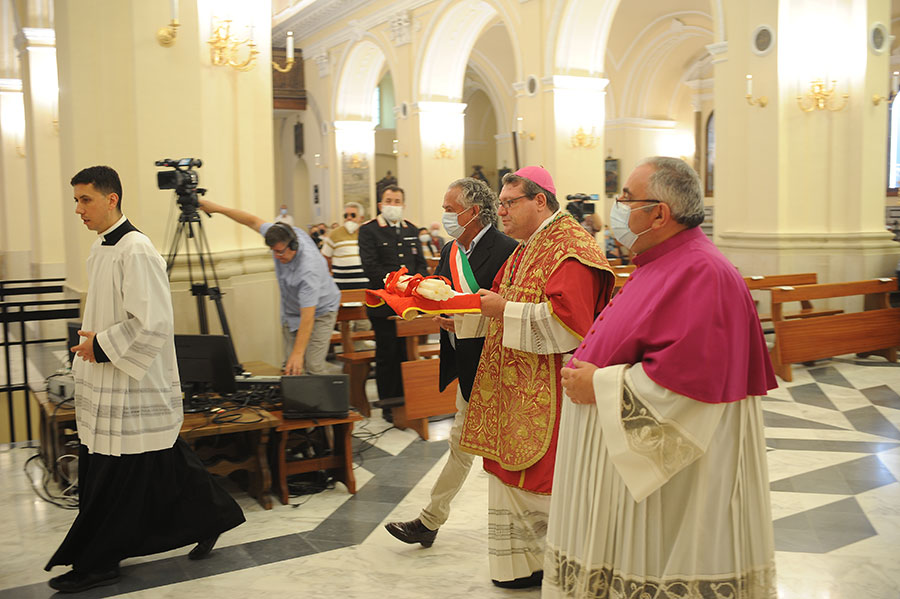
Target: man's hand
85 349
492 304
294 364
208 206
579 382
446 323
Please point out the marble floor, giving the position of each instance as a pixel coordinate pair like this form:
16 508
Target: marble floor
834 462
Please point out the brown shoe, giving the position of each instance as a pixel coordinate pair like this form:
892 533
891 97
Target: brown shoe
412 532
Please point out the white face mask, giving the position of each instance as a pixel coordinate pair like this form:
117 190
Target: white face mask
618 223
351 226
451 224
284 211
425 238
392 213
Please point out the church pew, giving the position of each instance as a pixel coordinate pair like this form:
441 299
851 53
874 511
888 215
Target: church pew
766 282
358 364
873 331
420 378
352 308
423 399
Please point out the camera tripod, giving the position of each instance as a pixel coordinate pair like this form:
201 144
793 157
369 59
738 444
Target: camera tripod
185 232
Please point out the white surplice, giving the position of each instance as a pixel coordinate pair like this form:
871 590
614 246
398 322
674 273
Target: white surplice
131 404
659 495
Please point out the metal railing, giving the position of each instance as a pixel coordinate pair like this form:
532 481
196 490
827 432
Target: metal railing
24 312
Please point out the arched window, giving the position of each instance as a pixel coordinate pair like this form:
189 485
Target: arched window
710 152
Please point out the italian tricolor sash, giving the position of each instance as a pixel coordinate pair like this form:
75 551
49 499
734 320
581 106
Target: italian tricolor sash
460 271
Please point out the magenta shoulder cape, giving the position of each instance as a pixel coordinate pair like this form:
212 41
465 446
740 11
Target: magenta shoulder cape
687 316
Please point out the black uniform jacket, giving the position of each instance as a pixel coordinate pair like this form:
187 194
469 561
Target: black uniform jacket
486 259
383 249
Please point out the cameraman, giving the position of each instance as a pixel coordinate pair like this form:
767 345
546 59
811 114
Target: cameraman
309 297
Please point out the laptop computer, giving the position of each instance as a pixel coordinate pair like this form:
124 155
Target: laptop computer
316 396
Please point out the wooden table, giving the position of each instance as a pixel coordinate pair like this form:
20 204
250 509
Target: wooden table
341 462
254 424
56 418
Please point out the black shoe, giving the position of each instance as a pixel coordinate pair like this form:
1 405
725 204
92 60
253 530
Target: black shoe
203 548
75 582
522 583
412 532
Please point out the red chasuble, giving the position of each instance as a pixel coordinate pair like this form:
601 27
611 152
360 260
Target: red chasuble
687 316
513 415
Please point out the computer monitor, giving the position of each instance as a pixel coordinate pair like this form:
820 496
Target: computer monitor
204 365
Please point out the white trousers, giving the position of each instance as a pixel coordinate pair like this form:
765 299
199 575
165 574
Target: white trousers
454 474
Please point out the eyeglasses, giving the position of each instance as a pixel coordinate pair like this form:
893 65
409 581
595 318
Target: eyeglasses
349 215
280 252
625 200
508 203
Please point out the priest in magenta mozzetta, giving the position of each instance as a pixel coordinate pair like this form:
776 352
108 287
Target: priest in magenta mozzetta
661 486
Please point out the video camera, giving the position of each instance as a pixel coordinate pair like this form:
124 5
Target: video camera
583 204
183 180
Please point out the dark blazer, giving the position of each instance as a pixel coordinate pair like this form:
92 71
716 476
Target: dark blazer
384 249
486 260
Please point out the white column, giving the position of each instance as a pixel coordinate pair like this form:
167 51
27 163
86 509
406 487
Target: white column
47 201
15 234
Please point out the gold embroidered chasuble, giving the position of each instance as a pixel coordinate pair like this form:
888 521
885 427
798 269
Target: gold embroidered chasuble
514 407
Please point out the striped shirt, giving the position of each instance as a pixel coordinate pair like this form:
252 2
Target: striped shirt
346 268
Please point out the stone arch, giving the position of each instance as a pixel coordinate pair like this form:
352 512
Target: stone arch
440 69
359 75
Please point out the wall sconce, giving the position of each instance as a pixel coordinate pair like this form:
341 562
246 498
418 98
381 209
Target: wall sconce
317 160
761 101
584 140
395 149
289 52
225 50
520 130
445 151
895 85
819 98
166 35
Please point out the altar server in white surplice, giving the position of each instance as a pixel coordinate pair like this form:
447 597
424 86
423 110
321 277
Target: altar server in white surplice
661 487
141 488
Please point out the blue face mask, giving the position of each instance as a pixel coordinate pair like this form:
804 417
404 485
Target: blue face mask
618 223
451 224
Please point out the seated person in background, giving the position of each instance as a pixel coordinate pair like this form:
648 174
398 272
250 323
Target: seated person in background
429 247
309 296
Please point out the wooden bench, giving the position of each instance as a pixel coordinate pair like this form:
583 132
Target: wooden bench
766 282
420 378
423 399
353 307
873 331
621 272
358 364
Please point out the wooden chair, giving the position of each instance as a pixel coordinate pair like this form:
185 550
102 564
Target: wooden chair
814 337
